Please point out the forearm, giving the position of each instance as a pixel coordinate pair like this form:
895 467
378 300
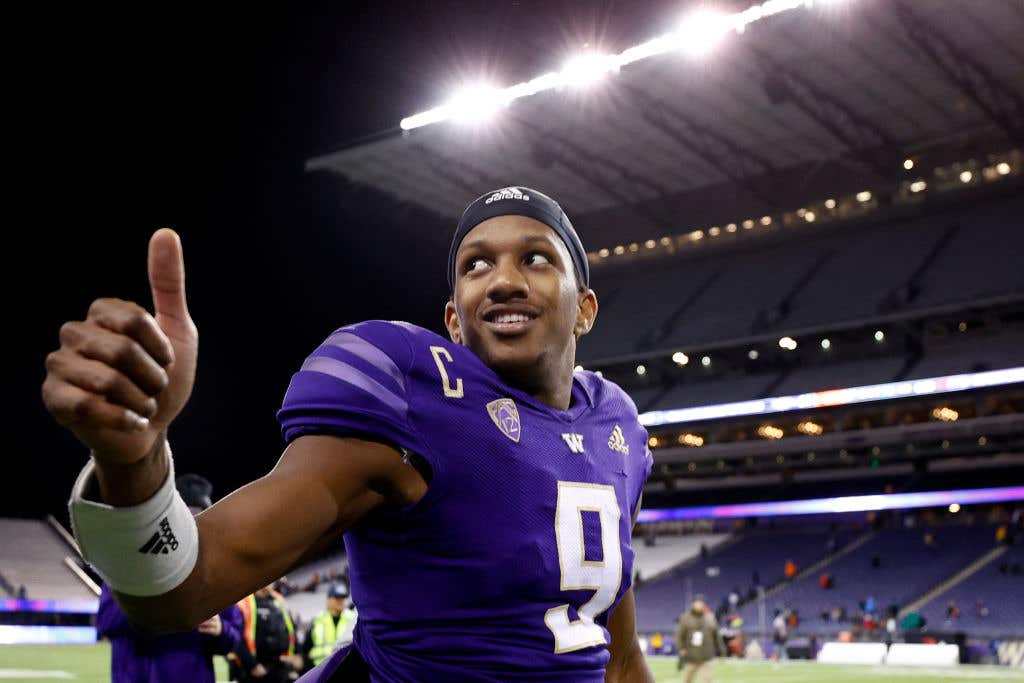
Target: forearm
124 485
630 667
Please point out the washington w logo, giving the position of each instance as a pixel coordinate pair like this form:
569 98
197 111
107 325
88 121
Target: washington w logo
1011 653
162 541
574 442
508 193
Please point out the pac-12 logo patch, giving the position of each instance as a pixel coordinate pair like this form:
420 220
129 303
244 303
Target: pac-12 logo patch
505 416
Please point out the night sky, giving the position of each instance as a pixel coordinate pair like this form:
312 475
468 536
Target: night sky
126 122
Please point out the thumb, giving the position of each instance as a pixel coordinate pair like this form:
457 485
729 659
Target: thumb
167 275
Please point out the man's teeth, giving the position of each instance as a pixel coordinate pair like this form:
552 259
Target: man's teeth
511 318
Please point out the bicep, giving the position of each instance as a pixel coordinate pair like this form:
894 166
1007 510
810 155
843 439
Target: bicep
320 487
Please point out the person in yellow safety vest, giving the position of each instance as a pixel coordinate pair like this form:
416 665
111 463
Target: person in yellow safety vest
268 651
332 628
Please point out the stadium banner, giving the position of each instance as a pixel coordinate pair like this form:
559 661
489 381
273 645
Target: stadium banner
835 652
923 654
1011 653
88 606
47 635
840 504
835 397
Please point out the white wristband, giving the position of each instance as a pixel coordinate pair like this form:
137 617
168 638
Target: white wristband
146 549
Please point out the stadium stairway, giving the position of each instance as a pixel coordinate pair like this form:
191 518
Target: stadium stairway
967 572
821 564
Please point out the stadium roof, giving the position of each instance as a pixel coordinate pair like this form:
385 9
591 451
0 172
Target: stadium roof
816 99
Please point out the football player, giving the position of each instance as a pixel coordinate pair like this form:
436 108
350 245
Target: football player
486 490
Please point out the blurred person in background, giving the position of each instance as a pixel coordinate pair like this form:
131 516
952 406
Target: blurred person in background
331 629
267 652
136 657
698 642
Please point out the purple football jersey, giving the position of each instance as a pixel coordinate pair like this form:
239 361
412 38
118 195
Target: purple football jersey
510 565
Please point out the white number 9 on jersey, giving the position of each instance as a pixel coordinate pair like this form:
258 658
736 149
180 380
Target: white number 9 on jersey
603 576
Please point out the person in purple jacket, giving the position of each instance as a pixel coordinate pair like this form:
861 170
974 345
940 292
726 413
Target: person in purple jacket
485 490
137 657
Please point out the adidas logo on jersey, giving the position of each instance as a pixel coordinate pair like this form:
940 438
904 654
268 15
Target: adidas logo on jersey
162 541
574 442
617 441
508 193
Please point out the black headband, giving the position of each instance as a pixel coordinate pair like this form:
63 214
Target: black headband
520 201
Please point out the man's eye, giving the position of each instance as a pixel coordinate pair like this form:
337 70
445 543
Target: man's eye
536 259
476 265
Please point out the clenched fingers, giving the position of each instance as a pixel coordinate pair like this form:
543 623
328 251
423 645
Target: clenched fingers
119 351
72 406
132 320
96 377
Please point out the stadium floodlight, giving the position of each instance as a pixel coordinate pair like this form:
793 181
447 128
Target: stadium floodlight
830 203
653 442
587 69
809 216
634 247
619 249
599 373
578 368
752 354
864 196
714 231
954 508
641 370
966 176
1003 168
826 344
918 186
731 227
691 440
698 33
476 103
908 164
650 244
603 253
946 414
697 235
879 336
766 220
748 224
702 30
680 358
705 361
788 343
665 241
770 432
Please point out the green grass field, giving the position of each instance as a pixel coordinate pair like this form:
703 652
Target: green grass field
91 664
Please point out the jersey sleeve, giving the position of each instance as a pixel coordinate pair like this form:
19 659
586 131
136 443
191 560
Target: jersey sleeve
354 384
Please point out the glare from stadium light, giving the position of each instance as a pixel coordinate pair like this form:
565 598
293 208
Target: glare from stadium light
826 344
476 103
752 354
982 441
634 247
908 164
665 241
653 442
715 231
918 186
810 428
809 216
650 244
692 440
788 343
864 196
731 227
966 176
1003 168
945 445
619 249
587 69
770 432
641 370
766 220
946 414
599 373
748 224
705 361
962 326
603 253
830 203
954 508
697 235
701 31
879 336
680 358
578 368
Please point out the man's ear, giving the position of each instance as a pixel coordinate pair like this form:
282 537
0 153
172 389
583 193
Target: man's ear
586 312
451 321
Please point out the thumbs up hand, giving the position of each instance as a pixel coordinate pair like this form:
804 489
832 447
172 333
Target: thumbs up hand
122 375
